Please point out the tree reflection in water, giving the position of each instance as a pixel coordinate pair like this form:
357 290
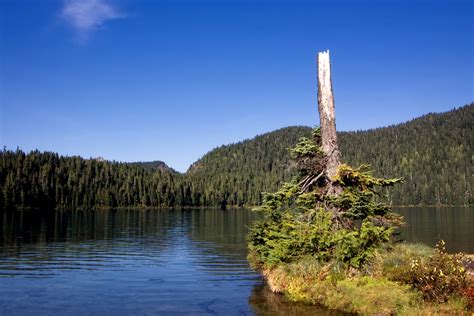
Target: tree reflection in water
264 302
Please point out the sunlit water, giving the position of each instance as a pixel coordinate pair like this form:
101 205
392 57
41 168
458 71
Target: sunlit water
164 262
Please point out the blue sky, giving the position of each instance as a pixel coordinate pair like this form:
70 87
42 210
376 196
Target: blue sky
170 80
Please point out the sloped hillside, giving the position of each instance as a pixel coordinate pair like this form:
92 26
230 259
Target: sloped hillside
432 153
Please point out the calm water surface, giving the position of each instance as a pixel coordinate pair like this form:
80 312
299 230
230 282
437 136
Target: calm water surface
163 262
455 225
126 262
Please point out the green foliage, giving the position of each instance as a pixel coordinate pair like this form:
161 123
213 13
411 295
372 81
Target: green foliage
47 180
357 246
287 236
361 179
302 219
306 147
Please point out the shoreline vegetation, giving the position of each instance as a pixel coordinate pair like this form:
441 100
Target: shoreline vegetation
382 291
349 262
326 236
185 207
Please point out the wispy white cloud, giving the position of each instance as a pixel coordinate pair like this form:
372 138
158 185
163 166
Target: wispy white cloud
85 16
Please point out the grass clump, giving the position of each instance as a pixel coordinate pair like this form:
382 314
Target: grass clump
324 285
394 260
369 295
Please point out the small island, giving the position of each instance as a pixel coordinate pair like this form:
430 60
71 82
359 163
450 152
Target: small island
327 239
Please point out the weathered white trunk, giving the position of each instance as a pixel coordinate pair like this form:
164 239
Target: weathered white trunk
327 115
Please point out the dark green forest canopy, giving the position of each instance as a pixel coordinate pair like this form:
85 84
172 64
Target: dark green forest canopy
156 165
432 153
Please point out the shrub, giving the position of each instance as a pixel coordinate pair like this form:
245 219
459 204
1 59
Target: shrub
469 295
440 277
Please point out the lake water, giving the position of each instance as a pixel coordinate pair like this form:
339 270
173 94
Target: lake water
163 262
455 225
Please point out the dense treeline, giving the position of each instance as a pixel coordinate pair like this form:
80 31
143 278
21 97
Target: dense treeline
48 180
156 165
433 153
237 174
241 172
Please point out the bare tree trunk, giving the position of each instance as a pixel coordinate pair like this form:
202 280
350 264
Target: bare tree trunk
327 117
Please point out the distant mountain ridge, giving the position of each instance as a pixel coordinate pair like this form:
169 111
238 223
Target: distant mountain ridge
154 166
433 153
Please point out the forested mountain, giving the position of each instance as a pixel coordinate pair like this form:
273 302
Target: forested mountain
432 153
154 165
236 174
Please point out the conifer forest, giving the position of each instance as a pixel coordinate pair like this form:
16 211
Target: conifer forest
432 153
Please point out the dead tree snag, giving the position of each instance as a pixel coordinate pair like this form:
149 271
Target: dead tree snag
327 116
